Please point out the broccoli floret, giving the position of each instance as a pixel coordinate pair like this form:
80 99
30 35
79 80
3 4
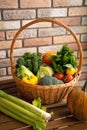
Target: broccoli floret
37 62
49 80
20 61
32 61
39 54
29 64
27 55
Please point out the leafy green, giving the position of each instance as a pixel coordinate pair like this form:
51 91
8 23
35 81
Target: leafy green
63 57
22 71
32 61
68 65
37 103
20 61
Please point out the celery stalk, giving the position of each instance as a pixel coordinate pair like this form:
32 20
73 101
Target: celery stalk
37 122
17 109
23 111
4 110
26 105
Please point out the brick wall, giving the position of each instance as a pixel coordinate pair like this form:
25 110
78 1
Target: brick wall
42 36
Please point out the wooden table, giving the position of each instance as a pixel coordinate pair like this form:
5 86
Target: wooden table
62 119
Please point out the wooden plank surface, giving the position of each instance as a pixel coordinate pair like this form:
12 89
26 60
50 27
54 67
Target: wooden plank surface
62 119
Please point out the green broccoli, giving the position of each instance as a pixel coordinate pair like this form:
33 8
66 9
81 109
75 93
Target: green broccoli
27 55
49 80
32 61
29 64
20 61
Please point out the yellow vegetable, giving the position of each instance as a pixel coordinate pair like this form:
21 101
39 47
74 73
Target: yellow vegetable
32 79
71 71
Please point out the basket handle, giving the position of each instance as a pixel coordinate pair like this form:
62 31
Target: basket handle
46 20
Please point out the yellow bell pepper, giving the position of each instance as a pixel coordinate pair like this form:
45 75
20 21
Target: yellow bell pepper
32 79
71 71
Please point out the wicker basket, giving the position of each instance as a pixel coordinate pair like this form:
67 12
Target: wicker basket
54 93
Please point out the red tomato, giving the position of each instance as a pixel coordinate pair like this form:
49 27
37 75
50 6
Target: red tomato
46 57
59 75
67 78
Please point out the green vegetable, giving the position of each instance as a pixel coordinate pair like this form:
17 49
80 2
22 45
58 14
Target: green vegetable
49 80
32 61
44 70
23 71
37 103
23 111
64 56
20 61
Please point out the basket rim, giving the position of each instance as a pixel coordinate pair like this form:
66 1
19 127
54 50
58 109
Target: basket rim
45 20
58 86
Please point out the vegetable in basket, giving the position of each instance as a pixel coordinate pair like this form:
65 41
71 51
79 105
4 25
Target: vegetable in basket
32 61
62 58
49 80
47 57
26 75
44 70
23 111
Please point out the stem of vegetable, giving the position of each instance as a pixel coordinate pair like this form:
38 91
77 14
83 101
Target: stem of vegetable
17 109
34 120
26 105
4 110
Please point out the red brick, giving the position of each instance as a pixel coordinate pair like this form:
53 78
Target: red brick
84 20
35 3
85 2
69 21
2 71
83 76
37 25
7 25
84 54
24 34
79 29
21 51
52 12
8 3
9 70
2 78
75 11
84 37
19 14
4 63
7 44
62 3
84 45
84 61
2 36
51 32
44 49
84 68
0 15
64 39
73 46
38 41
2 54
